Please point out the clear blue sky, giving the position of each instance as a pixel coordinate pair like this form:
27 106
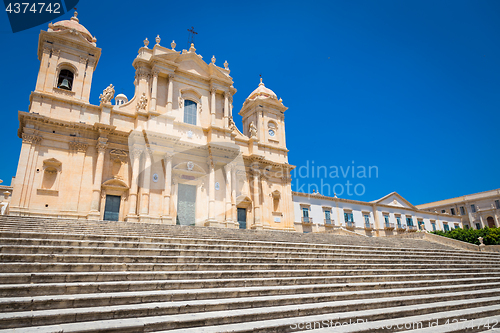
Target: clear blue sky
412 87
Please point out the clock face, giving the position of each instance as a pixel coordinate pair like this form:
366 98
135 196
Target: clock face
271 132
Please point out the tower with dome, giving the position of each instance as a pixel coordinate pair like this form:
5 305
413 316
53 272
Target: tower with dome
170 154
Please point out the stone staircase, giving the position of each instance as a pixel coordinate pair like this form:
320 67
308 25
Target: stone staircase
61 275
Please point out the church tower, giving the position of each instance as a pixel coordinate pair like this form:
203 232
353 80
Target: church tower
68 56
264 120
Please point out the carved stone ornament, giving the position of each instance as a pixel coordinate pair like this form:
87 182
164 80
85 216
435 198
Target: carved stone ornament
158 39
181 102
119 154
107 95
31 138
173 45
136 153
142 103
190 166
102 144
146 42
78 146
253 130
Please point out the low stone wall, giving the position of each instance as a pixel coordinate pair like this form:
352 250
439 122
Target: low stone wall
441 240
492 248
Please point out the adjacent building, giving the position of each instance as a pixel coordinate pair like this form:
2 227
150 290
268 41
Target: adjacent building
476 210
389 215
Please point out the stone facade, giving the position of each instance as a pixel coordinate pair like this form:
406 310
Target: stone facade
171 154
476 210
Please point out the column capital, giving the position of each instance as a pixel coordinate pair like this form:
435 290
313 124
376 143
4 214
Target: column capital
31 138
136 152
155 72
168 156
102 144
213 90
170 76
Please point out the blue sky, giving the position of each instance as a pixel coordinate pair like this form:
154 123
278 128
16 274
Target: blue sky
411 87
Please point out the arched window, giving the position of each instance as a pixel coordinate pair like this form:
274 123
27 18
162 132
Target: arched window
65 80
190 108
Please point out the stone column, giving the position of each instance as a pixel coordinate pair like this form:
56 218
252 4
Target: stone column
234 183
212 105
146 183
228 168
168 184
226 109
96 189
170 92
135 155
154 91
256 199
211 186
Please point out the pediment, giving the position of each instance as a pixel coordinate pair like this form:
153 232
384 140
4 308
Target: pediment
194 66
116 183
396 200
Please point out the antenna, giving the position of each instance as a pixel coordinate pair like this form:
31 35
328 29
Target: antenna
191 36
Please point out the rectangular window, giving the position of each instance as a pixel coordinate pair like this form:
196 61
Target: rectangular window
305 214
398 220
409 221
386 219
466 227
421 225
190 112
348 217
478 226
433 226
446 227
497 204
462 210
452 211
473 208
328 215
367 220
457 225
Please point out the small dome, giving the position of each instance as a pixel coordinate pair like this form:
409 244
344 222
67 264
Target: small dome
121 99
72 24
262 91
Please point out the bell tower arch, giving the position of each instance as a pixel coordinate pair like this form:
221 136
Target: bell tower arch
68 56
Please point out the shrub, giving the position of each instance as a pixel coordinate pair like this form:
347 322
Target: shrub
491 236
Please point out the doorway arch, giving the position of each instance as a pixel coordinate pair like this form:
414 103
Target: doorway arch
491 222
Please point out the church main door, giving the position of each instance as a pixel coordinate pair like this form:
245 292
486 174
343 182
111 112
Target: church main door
186 204
112 208
242 218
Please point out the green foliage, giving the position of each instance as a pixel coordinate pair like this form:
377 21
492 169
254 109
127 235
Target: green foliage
491 236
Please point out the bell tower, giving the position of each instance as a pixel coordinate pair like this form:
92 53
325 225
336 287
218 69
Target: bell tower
264 120
68 56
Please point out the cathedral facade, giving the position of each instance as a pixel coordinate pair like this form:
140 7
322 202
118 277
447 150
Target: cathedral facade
171 154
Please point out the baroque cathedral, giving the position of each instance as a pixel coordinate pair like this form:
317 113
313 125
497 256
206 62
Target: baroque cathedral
171 154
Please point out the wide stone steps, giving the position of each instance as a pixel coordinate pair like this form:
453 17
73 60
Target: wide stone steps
93 276
192 301
67 226
217 291
13 245
222 311
280 318
175 242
